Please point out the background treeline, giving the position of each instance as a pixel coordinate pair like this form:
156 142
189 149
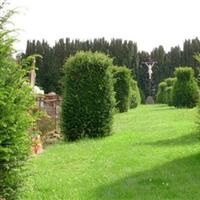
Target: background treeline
125 53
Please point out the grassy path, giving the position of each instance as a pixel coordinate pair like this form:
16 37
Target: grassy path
153 154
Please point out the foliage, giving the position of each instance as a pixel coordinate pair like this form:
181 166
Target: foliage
198 119
197 58
88 98
142 96
170 82
15 118
45 124
135 94
169 96
161 94
125 53
50 68
122 87
185 90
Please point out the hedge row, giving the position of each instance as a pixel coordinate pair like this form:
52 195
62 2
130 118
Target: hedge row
181 91
93 87
122 87
127 93
161 94
135 95
185 91
164 93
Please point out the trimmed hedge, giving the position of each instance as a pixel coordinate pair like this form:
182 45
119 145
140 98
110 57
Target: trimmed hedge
122 87
161 94
135 94
170 82
185 90
88 98
169 96
142 96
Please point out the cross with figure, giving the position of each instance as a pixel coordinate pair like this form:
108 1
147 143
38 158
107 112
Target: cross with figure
150 65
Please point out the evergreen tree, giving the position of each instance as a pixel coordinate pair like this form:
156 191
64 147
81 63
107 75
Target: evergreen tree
123 52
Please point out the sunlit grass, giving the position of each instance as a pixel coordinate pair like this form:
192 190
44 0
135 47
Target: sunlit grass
152 154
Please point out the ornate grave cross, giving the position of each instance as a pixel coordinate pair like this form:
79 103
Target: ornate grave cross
150 65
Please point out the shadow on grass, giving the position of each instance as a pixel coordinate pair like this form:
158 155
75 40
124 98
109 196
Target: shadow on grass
189 139
163 107
179 179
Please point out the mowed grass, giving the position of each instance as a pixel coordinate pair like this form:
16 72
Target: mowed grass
153 154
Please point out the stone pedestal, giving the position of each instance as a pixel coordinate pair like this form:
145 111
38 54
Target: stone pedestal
150 100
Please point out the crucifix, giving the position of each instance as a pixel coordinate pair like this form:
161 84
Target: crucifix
150 65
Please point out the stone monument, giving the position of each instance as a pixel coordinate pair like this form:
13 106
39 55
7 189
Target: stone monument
150 65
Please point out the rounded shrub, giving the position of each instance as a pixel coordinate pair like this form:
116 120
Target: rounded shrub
135 94
161 94
185 90
122 87
88 98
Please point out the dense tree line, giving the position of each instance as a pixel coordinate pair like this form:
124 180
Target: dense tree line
124 53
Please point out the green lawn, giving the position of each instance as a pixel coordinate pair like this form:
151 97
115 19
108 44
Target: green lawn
153 154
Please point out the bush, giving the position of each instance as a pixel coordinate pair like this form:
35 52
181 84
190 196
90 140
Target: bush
15 101
135 95
142 96
88 98
161 94
169 96
170 82
198 119
185 90
122 87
